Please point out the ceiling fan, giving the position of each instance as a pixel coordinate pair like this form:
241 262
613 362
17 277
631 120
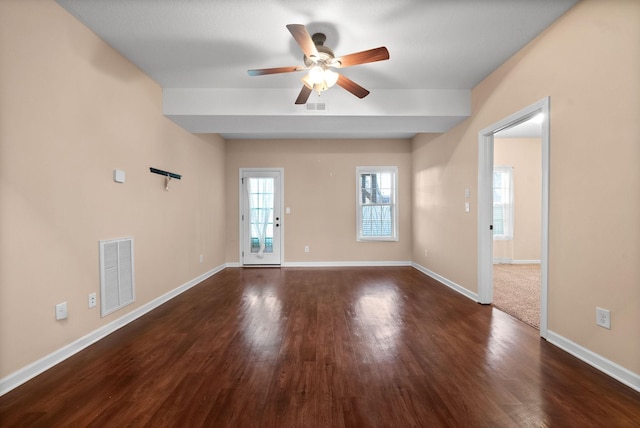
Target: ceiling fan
319 60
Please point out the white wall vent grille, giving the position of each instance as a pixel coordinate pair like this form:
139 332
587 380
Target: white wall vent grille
316 107
116 275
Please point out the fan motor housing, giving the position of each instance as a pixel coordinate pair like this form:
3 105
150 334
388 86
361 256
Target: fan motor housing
325 55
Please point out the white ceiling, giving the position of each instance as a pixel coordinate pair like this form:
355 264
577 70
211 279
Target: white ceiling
199 51
531 128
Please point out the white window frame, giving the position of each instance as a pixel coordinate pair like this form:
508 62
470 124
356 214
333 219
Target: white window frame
507 206
393 202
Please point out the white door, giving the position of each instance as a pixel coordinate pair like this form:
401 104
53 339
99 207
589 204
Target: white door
260 216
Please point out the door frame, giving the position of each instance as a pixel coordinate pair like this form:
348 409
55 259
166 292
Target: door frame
241 172
485 205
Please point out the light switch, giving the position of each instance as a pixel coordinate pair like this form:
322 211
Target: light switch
118 176
288 210
61 311
467 207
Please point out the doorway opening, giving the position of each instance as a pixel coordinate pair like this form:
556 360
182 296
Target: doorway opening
486 141
516 220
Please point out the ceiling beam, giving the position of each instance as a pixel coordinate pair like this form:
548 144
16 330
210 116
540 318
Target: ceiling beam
271 113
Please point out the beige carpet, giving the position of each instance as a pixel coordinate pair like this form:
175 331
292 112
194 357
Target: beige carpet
516 291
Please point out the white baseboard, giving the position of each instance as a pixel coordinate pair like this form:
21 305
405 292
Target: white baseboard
331 264
460 289
345 264
30 371
515 262
233 264
616 371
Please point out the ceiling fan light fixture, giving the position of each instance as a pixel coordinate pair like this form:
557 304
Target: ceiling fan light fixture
316 74
307 81
320 87
320 78
330 77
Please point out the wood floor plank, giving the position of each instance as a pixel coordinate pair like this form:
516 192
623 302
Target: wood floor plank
322 347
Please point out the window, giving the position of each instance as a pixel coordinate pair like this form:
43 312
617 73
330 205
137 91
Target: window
377 203
503 202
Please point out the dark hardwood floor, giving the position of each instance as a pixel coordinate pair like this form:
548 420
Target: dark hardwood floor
343 347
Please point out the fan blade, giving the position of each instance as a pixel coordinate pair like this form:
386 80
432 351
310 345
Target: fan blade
304 95
276 70
372 55
352 86
302 37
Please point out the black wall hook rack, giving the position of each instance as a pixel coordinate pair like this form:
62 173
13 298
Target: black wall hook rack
165 173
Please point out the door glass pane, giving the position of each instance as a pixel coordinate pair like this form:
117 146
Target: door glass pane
261 199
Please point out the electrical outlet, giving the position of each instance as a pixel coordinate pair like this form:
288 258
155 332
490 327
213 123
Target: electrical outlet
603 318
426 252
92 300
201 258
306 248
61 311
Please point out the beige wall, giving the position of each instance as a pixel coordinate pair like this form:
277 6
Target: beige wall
525 156
71 111
443 233
319 187
588 62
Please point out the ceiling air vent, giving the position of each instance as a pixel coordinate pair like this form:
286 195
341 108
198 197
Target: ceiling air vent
318 107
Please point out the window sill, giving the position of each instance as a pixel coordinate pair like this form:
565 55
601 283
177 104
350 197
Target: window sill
377 239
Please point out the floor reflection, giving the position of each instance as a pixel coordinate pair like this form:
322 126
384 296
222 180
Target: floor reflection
378 312
501 335
261 320
503 353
